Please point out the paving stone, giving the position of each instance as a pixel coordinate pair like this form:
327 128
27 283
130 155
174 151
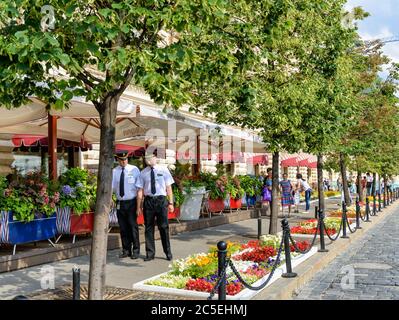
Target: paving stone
376 264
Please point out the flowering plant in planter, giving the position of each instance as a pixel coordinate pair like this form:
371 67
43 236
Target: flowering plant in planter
30 196
234 188
78 190
251 185
215 185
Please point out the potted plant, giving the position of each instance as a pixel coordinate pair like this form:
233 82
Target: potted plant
216 186
235 191
252 187
28 205
77 198
192 191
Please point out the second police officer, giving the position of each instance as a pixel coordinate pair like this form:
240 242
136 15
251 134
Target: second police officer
155 185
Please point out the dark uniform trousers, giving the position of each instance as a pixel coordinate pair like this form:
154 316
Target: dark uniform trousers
129 229
156 208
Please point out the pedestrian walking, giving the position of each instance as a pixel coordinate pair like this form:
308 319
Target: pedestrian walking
369 183
124 178
286 193
155 184
308 191
267 191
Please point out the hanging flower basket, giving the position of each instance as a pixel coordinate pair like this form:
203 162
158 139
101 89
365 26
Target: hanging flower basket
17 232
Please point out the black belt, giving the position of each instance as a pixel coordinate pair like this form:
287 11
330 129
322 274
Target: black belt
154 197
126 200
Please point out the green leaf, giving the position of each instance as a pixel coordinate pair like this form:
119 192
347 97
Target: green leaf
105 12
67 96
64 58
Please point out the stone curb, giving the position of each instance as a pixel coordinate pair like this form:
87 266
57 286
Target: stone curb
285 288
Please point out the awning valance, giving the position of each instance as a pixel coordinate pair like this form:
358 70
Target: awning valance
261 159
290 162
27 140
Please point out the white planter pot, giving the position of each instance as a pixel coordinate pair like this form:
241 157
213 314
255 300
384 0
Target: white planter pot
191 207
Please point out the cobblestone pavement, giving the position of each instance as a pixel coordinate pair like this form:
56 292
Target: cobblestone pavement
367 270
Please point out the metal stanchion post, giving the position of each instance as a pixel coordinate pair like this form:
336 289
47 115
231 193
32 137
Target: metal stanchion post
379 201
367 210
358 214
287 250
374 205
75 283
344 236
321 228
385 200
316 210
259 227
222 254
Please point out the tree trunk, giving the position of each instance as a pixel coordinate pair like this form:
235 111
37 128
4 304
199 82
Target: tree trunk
385 187
344 178
374 185
320 181
98 255
275 190
359 186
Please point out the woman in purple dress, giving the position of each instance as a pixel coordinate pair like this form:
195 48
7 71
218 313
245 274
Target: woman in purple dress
286 193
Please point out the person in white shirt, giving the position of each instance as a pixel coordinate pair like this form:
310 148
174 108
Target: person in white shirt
155 185
369 183
124 179
308 190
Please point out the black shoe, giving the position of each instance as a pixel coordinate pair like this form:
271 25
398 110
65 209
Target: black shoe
169 257
124 254
148 258
134 256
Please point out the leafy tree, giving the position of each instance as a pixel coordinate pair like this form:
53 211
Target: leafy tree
96 49
276 82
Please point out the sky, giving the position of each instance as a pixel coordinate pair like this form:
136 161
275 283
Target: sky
383 22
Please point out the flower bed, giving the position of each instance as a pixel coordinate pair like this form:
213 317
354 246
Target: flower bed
351 213
310 226
197 274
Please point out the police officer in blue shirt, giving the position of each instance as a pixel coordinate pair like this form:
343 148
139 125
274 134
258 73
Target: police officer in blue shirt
155 184
124 178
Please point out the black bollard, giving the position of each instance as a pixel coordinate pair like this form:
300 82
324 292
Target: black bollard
374 205
344 236
316 210
222 254
321 228
259 228
358 214
367 210
20 297
379 201
75 283
385 200
287 250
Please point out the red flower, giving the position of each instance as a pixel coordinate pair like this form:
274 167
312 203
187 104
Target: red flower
199 285
258 254
233 288
303 245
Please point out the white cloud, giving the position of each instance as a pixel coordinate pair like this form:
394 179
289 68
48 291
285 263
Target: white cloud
384 32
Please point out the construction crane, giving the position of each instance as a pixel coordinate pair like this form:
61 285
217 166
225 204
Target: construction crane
384 40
